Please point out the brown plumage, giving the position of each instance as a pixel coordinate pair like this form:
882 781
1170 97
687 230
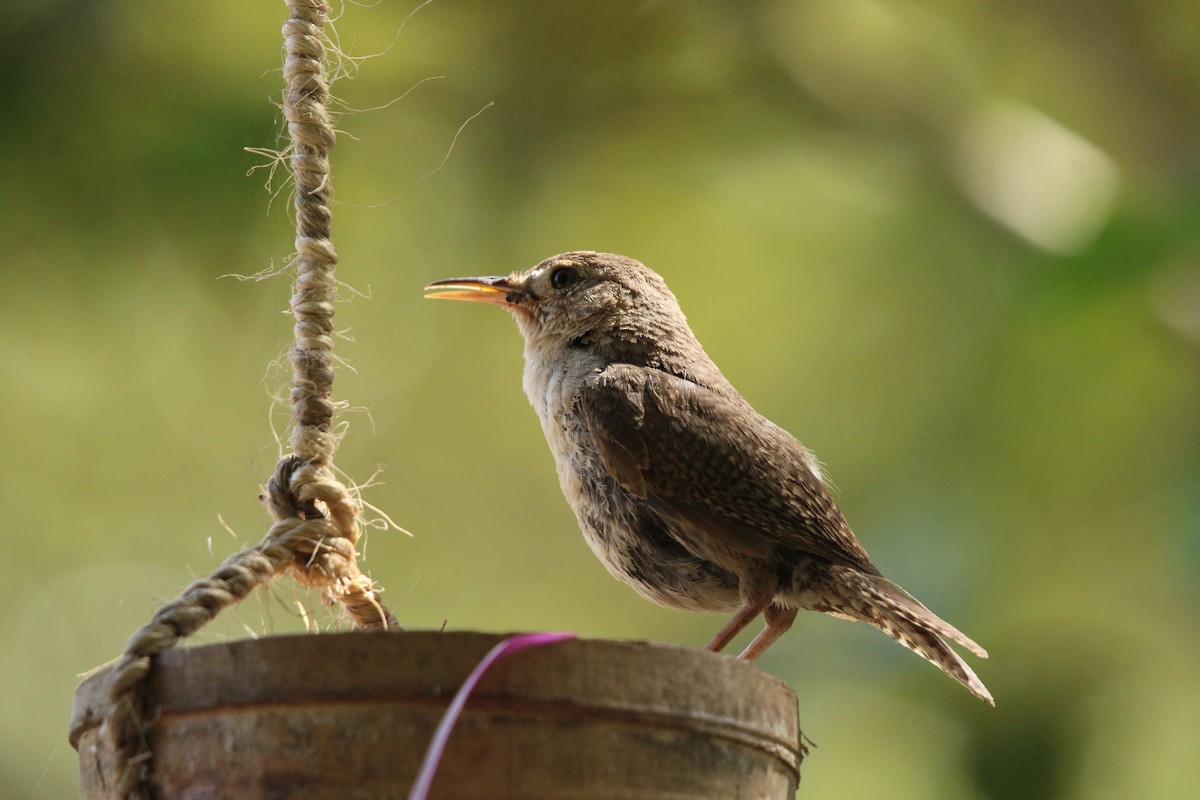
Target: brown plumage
681 488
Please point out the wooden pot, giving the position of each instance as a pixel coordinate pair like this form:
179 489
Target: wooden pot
350 715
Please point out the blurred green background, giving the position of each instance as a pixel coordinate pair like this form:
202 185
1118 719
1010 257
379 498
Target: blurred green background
953 246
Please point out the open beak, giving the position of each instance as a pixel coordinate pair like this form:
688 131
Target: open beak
492 289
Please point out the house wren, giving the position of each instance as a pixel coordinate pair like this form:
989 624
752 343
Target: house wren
682 489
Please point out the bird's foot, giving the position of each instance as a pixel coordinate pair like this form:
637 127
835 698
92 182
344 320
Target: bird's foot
778 621
736 625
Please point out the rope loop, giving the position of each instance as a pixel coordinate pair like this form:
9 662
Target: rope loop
313 539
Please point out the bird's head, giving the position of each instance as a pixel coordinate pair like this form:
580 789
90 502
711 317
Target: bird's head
578 299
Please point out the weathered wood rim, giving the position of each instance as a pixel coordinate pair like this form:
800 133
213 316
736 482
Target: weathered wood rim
703 691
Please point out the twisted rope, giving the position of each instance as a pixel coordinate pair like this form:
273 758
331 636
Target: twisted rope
316 527
305 105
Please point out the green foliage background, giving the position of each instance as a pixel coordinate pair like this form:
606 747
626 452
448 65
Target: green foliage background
1006 399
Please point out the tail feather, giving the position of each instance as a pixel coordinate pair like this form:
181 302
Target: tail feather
916 612
901 616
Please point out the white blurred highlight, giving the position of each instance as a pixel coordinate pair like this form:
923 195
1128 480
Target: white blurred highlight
1046 183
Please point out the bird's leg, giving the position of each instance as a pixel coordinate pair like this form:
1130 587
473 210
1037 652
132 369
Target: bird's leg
735 626
778 621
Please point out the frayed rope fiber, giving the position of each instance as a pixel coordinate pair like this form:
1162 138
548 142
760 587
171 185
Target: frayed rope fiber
316 517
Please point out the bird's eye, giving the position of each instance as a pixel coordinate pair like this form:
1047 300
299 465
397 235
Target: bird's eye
562 277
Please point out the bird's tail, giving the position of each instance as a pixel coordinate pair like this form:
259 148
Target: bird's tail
901 616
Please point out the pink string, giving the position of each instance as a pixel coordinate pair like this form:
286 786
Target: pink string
437 745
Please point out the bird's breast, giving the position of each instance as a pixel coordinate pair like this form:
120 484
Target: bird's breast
552 382
633 545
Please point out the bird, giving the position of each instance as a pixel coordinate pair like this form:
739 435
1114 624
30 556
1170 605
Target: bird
682 490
